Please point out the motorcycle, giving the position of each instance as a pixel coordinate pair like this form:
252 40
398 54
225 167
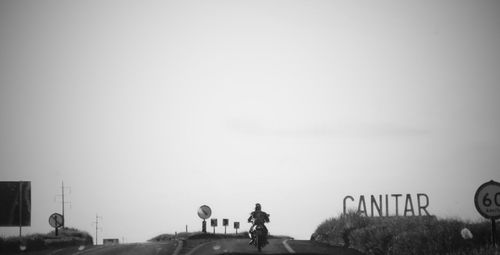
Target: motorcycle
259 236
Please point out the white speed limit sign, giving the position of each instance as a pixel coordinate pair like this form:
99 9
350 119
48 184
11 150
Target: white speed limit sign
487 200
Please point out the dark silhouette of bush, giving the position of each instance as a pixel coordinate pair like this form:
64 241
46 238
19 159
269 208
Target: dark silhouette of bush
35 242
403 235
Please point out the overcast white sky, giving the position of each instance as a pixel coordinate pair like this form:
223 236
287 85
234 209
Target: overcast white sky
149 109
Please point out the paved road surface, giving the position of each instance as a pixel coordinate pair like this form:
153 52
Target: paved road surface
275 246
221 246
163 248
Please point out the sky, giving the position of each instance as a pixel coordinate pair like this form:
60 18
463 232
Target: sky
149 109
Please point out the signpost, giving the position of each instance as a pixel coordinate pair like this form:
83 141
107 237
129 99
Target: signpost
204 212
225 222
213 223
56 220
15 201
236 226
487 202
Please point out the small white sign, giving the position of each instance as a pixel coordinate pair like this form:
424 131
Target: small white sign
487 200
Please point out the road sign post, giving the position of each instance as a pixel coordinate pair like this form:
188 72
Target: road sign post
56 220
15 201
213 223
225 222
236 226
20 210
487 202
493 233
204 212
15 209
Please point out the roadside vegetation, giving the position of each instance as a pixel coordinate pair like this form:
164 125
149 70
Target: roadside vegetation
406 235
35 242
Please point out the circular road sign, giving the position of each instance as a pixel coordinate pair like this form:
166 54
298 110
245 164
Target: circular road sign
487 200
56 220
204 212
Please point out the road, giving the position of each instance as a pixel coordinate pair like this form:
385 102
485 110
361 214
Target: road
150 248
225 246
275 246
221 246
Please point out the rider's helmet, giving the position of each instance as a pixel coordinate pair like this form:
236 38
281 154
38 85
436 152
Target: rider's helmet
257 207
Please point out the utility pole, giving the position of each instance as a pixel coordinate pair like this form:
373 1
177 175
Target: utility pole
63 202
97 228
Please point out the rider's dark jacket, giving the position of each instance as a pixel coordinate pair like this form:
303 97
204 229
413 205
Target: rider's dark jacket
258 217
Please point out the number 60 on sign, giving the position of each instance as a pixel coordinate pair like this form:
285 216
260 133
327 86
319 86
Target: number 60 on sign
487 200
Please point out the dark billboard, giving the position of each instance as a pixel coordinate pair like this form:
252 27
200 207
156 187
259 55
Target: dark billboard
13 194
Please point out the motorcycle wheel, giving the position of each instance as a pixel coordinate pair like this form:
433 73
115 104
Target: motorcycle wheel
258 243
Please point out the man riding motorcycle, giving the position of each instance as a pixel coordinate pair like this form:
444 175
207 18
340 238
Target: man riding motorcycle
258 217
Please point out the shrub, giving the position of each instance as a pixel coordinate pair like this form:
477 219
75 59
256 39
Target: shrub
402 235
36 242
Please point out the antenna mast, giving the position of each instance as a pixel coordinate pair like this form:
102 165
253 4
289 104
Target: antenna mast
97 228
